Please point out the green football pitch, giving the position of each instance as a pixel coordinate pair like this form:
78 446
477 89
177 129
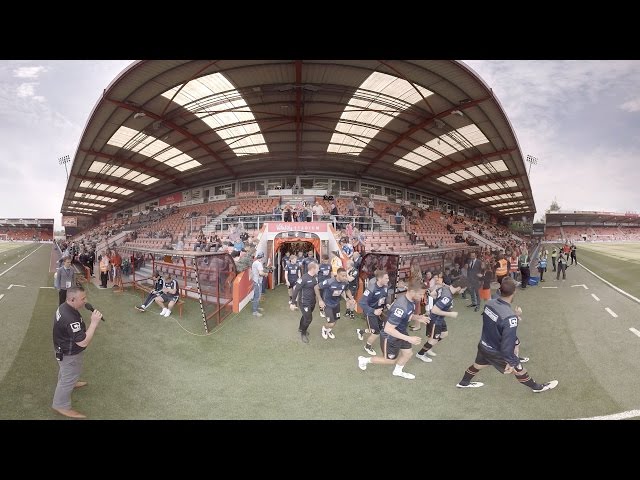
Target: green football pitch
144 366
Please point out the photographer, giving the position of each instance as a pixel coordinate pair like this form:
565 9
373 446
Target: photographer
257 274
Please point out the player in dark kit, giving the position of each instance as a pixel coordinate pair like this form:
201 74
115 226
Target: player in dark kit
305 294
498 341
396 342
437 330
158 285
332 291
291 274
372 302
324 273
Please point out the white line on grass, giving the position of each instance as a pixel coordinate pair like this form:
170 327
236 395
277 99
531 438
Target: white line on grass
1 296
27 256
612 285
13 285
595 296
48 287
615 416
636 332
549 287
611 312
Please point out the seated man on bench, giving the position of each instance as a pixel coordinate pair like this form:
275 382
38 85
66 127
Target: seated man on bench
158 285
169 294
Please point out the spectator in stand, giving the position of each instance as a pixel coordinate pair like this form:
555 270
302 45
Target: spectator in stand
336 263
334 213
318 211
351 208
362 240
349 229
371 206
399 221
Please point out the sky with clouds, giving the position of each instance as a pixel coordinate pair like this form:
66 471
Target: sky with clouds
581 119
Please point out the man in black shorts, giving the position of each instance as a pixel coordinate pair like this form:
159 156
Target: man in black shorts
395 341
498 341
437 330
373 302
332 291
169 294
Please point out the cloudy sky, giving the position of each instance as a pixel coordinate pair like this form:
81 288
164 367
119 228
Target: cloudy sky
581 119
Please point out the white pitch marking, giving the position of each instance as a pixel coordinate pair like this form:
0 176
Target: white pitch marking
48 287
12 285
582 285
1 296
595 296
549 287
612 285
611 312
633 330
1 274
615 416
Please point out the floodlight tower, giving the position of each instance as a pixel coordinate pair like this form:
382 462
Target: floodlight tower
532 161
63 161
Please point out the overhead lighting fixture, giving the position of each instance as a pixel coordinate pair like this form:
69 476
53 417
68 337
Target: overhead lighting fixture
140 115
457 112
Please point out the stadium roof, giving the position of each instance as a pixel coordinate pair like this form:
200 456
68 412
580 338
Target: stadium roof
166 126
591 217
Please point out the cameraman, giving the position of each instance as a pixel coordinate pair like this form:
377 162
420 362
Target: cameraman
257 273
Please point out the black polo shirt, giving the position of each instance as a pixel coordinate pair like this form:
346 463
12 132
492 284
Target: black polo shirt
68 329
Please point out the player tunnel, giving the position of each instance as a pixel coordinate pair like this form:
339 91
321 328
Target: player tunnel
294 243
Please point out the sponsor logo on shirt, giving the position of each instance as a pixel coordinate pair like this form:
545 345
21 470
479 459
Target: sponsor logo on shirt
491 314
75 327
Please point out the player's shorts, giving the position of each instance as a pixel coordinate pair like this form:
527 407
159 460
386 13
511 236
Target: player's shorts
435 331
488 357
168 297
375 324
391 346
332 313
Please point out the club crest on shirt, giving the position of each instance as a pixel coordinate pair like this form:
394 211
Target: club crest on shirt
75 327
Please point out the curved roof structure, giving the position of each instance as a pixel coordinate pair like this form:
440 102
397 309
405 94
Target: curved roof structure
164 126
